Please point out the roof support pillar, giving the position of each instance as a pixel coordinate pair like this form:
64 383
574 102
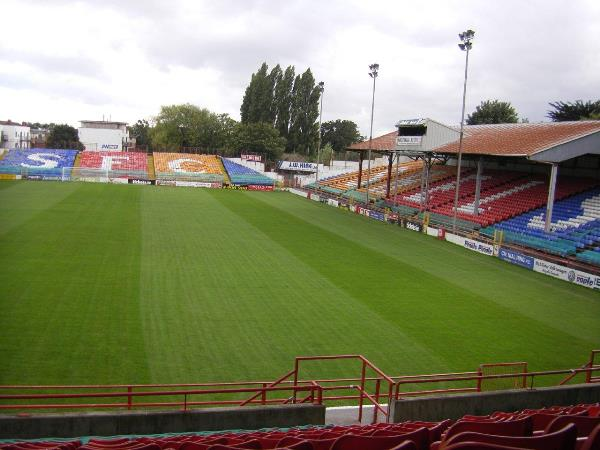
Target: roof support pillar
360 161
427 171
389 175
422 199
551 191
478 186
396 182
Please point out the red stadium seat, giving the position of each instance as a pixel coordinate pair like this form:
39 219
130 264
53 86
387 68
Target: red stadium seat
563 439
593 440
585 425
353 442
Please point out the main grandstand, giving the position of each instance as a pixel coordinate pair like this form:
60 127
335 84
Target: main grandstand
510 182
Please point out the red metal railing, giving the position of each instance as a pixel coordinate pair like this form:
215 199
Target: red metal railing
289 388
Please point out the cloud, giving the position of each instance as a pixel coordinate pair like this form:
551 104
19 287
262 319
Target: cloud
130 57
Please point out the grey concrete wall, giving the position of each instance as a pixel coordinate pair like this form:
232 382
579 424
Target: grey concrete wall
154 422
436 408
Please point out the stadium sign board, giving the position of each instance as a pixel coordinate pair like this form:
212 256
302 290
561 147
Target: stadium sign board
476 246
377 215
297 166
259 187
140 181
197 184
565 273
254 158
414 226
517 258
408 140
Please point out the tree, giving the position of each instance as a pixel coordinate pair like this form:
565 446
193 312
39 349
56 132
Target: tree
258 98
259 137
493 111
564 111
288 102
141 132
304 129
283 101
190 126
340 134
63 136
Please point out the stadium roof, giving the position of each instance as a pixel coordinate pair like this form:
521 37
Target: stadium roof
385 143
549 142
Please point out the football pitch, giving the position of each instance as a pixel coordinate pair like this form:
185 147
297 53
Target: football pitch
142 284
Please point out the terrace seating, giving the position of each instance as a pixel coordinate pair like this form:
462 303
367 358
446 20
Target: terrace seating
409 175
514 198
243 176
189 167
575 228
116 164
40 162
443 192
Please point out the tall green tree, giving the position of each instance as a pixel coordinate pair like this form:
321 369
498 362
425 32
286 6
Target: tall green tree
340 134
578 110
63 136
258 98
283 101
288 102
190 126
493 111
259 137
275 77
304 129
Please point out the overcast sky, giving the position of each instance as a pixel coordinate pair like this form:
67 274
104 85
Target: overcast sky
63 61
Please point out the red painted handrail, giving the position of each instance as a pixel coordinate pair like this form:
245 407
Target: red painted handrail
316 391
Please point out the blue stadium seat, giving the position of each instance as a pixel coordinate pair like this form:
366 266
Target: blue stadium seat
38 162
244 176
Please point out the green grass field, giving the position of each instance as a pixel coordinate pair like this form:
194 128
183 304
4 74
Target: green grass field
139 284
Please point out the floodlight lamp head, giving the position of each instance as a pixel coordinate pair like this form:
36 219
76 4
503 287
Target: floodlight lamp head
374 69
321 85
461 46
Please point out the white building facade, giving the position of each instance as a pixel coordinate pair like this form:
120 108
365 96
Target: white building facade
100 135
14 135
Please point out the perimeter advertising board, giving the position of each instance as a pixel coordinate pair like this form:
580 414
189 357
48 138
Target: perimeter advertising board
377 215
567 274
414 226
298 192
515 257
259 187
140 181
476 246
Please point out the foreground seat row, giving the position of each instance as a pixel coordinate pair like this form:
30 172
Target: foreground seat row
557 428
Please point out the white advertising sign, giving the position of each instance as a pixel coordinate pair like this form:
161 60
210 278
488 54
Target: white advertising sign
298 192
193 184
297 166
432 231
332 202
567 274
408 140
476 246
